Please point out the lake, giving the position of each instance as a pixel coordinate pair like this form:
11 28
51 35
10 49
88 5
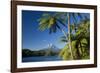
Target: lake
41 58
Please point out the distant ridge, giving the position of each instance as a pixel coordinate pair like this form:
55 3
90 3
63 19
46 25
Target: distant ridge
52 47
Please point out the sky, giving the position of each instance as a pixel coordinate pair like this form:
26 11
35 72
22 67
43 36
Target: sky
32 37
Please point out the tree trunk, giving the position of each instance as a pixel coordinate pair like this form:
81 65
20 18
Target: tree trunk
69 36
81 48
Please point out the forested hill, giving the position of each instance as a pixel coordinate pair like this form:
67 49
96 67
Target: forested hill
44 52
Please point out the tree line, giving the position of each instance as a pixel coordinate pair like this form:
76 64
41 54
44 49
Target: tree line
44 52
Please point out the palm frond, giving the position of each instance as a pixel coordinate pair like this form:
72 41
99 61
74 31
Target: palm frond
63 39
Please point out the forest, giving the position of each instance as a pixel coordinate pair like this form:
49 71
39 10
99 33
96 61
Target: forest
43 52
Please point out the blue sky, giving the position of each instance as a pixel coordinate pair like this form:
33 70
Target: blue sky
32 37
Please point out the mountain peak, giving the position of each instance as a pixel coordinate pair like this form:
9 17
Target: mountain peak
53 47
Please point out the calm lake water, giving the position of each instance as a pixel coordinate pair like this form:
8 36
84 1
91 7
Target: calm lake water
41 58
